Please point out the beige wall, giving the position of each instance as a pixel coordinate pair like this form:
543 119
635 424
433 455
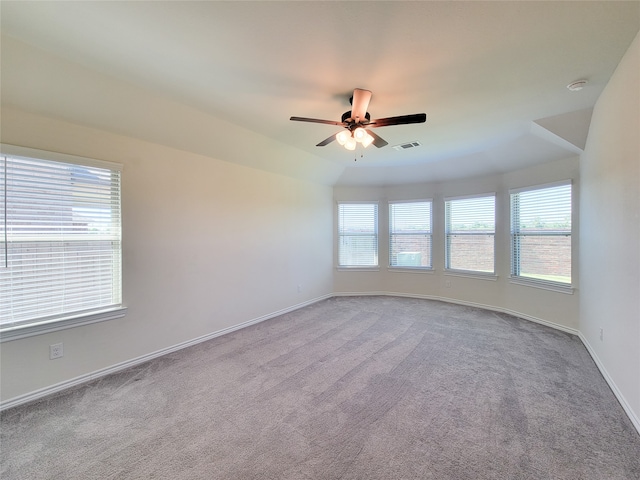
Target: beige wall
207 245
610 232
559 309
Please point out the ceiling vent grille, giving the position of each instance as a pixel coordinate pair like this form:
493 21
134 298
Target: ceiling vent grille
406 146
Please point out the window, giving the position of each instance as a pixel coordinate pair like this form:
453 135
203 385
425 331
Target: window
358 235
470 233
410 234
60 246
541 234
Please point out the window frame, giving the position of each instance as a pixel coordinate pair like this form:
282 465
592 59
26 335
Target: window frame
375 235
429 232
448 234
515 241
45 324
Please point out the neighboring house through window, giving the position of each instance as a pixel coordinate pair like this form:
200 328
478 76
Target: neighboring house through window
358 235
60 240
470 228
541 234
410 234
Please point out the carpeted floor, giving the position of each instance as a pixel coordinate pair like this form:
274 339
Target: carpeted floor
348 388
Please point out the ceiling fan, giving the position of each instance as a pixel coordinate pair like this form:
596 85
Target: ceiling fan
357 123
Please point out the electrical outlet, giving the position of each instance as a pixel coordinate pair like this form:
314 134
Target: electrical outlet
55 351
299 288
601 334
447 283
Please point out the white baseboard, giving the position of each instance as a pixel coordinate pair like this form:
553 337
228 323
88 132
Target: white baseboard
58 387
623 401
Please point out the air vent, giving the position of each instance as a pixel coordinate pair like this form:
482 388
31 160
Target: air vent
406 146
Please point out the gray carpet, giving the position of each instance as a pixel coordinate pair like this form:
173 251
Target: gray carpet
348 388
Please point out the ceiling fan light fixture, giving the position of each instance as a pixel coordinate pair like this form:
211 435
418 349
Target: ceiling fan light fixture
350 144
368 139
342 137
360 134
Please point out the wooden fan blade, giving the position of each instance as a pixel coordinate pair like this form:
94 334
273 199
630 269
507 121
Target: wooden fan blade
315 120
401 120
327 141
359 104
377 141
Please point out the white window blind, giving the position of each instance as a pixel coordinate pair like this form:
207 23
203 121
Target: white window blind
358 234
60 239
410 234
541 234
470 234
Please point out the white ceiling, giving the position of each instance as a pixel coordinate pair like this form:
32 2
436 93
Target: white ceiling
491 76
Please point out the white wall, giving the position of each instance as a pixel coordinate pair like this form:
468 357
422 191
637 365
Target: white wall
610 232
559 309
207 245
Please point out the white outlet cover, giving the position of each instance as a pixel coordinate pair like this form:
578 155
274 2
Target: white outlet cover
56 351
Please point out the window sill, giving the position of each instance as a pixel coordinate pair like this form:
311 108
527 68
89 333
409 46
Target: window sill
358 269
46 326
471 274
551 286
418 270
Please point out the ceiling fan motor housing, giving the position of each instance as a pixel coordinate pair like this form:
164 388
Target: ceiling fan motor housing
353 124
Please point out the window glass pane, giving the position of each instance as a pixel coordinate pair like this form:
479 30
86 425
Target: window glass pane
545 210
471 252
60 245
546 258
410 234
541 234
470 234
471 215
358 234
